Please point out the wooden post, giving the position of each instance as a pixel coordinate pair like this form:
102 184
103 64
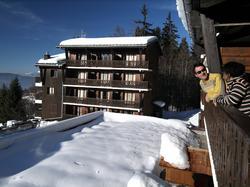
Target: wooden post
210 43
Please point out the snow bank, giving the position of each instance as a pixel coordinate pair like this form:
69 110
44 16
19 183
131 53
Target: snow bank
174 142
10 123
194 120
43 124
109 150
174 145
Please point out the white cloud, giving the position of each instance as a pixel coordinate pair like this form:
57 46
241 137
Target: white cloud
20 11
28 15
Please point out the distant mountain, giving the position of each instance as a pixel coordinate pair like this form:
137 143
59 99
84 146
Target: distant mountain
25 81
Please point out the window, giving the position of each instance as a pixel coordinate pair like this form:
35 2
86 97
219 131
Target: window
84 57
130 77
53 73
105 76
106 56
103 95
82 75
50 90
93 56
82 93
118 57
129 97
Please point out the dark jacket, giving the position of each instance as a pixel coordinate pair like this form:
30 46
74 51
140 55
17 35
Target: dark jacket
237 94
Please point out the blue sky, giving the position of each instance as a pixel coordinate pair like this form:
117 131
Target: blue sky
29 28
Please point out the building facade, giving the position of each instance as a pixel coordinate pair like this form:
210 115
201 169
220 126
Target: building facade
116 74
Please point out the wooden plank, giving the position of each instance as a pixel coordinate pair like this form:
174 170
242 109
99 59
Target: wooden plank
179 176
199 161
238 54
235 51
210 43
175 175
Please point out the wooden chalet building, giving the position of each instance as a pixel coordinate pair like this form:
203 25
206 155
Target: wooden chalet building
113 74
220 29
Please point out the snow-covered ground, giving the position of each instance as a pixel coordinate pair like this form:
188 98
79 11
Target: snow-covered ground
110 150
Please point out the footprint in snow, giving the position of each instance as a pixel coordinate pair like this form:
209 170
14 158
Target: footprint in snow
78 163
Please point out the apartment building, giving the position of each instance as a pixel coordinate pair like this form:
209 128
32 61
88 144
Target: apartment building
114 74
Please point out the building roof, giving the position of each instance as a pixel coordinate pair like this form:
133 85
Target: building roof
139 41
181 12
230 18
54 60
95 149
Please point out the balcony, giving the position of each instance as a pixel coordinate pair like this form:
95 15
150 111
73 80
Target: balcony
107 83
228 133
102 102
107 64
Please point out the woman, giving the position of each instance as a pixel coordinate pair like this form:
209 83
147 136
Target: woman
237 88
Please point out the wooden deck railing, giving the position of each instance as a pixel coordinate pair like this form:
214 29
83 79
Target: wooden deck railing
229 136
107 83
102 102
111 63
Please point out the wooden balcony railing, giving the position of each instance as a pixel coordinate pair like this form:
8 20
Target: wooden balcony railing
108 83
112 63
103 102
229 137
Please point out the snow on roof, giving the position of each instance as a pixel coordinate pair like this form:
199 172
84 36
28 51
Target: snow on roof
181 13
139 41
110 149
53 60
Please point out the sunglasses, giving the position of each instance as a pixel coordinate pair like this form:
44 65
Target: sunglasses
199 72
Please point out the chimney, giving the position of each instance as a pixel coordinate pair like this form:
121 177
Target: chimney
46 55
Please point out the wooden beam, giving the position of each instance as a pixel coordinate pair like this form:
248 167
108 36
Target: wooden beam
210 43
210 3
231 24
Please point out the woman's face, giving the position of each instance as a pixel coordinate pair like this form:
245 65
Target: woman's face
226 76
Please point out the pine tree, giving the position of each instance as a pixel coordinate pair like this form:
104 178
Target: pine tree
3 104
183 73
15 103
157 32
169 35
169 45
144 28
